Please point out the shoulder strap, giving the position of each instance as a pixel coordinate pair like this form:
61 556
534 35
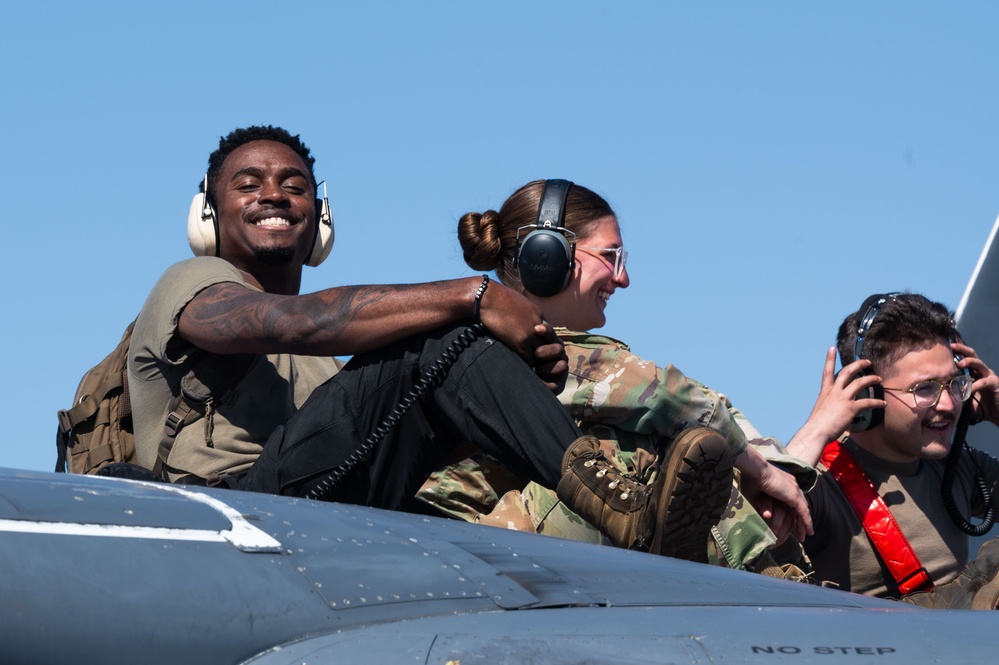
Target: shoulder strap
879 524
210 381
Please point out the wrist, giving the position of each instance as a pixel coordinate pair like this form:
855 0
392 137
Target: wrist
751 463
809 442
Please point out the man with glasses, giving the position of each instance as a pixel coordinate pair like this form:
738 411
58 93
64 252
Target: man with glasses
880 432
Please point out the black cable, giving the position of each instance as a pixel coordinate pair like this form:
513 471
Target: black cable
431 378
947 490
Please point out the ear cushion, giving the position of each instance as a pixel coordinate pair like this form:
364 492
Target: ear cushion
324 233
202 230
544 262
868 418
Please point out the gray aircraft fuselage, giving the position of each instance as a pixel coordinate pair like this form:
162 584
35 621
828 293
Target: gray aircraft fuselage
100 570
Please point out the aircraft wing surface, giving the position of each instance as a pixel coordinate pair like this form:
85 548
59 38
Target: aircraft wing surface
108 570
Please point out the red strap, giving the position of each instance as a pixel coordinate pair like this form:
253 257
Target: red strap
880 525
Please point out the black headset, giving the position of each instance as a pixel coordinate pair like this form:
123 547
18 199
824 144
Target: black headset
869 418
546 256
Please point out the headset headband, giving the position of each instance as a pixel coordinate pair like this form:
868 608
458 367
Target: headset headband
871 307
551 212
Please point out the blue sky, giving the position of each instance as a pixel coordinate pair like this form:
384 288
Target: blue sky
772 164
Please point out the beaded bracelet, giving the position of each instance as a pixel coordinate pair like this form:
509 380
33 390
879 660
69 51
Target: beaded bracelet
478 298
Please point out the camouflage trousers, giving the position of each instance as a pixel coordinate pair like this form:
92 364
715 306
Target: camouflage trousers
466 490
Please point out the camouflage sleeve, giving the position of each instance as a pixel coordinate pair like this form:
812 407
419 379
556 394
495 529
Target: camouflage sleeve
609 385
772 449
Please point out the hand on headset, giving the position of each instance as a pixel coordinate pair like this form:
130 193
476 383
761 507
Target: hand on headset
516 321
985 389
835 408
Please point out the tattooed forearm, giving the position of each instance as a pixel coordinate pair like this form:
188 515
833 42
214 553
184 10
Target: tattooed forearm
346 306
228 318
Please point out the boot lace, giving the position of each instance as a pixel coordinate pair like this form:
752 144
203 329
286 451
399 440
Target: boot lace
607 470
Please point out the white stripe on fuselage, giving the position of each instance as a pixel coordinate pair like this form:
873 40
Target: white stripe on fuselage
241 534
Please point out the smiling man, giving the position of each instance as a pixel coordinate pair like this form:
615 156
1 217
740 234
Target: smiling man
881 524
237 309
233 381
230 325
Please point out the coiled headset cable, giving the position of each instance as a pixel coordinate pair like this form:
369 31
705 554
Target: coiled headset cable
430 379
947 490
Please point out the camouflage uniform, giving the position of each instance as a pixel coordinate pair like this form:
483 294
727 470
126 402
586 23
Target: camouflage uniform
630 405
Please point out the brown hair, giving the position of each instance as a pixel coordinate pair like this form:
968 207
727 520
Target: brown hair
489 239
904 322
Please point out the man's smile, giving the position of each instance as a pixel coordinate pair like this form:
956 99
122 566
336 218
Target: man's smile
273 221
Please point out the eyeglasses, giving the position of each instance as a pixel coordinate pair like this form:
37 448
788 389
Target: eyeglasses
926 394
616 256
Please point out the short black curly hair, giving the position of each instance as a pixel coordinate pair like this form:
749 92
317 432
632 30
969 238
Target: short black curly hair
244 135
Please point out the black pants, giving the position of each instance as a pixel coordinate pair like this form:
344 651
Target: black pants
489 397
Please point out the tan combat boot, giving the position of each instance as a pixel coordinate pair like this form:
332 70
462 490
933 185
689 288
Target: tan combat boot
673 515
976 588
766 565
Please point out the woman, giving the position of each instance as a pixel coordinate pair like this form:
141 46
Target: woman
628 403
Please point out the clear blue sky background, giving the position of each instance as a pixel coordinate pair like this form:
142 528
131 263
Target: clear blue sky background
772 164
